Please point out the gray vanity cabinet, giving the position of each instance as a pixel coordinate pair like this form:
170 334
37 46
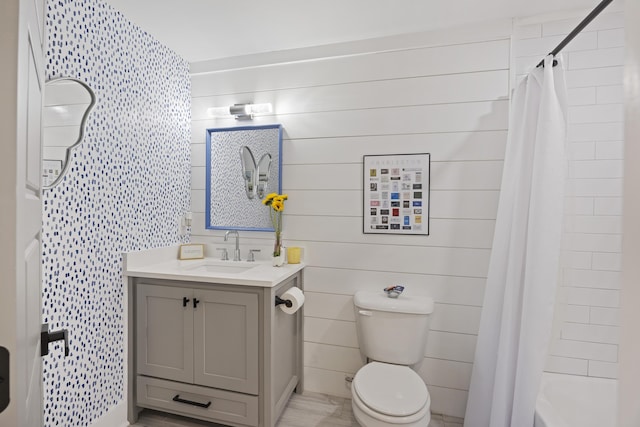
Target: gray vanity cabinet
226 340
198 336
216 352
165 333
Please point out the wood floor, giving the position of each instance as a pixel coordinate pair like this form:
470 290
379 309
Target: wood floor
306 410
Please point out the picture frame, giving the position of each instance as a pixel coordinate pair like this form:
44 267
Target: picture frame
396 194
191 251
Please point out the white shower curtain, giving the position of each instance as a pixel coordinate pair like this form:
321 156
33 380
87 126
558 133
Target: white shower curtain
517 314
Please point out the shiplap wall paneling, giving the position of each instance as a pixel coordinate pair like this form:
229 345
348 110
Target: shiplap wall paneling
450 101
391 65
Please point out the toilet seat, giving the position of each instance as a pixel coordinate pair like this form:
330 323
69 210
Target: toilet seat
369 418
394 393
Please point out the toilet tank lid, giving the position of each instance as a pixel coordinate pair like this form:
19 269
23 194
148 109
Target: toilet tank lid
403 304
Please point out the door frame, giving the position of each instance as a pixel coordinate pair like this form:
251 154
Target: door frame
21 31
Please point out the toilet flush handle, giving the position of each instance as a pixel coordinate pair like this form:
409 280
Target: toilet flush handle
365 313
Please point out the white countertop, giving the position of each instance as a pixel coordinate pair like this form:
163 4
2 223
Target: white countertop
162 263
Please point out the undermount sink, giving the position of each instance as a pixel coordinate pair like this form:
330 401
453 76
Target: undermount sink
223 267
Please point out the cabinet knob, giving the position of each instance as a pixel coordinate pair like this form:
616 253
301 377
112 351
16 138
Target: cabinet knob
185 301
195 302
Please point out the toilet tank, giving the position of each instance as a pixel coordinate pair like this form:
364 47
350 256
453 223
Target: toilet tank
392 330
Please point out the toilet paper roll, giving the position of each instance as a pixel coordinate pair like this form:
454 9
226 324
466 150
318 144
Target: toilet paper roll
296 297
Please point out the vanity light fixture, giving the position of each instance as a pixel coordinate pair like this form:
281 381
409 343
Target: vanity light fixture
241 111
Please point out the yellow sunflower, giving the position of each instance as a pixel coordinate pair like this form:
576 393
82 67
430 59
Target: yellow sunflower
267 200
277 205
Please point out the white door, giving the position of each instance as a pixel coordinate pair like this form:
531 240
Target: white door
21 86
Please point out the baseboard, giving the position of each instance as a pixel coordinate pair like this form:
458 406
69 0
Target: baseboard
115 417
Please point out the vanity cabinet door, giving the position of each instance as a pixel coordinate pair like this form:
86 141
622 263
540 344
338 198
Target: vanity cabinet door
165 332
226 340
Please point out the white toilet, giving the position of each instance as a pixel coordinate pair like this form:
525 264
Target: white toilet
392 333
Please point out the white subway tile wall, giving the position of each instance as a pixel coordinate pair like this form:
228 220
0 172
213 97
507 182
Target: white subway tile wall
587 318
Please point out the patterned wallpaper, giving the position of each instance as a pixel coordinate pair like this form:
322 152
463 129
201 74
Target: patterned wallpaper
127 186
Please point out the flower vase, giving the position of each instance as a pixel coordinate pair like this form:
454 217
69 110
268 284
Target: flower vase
278 252
278 261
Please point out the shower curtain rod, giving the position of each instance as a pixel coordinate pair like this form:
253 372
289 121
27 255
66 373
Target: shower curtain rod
590 17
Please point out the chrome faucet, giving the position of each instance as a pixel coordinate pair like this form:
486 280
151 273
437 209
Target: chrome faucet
236 254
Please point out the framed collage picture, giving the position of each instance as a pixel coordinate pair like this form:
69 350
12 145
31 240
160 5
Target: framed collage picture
396 194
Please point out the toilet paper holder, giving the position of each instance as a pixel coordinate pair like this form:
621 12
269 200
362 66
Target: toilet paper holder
286 302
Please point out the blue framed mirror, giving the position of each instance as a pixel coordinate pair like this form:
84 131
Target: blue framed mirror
244 164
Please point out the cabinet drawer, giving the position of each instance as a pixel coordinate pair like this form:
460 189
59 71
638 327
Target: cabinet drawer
225 405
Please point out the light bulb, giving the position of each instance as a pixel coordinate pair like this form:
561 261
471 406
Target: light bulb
218 111
265 108
240 110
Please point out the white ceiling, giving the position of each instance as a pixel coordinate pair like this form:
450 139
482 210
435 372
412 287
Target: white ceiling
199 30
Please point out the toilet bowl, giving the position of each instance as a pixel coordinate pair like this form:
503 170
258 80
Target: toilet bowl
392 333
403 399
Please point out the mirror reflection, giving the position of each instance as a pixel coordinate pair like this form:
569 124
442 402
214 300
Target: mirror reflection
248 170
67 103
264 169
236 182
